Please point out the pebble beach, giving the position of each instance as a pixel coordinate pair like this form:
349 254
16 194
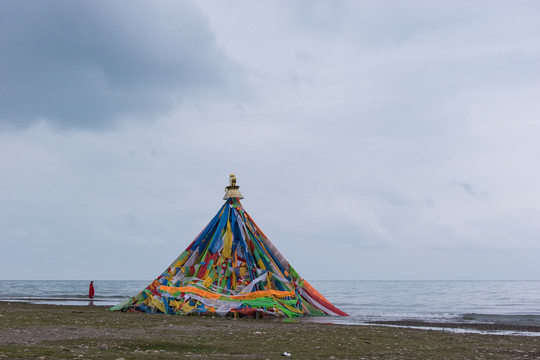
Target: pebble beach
31 331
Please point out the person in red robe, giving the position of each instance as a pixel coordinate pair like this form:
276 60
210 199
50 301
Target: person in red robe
91 290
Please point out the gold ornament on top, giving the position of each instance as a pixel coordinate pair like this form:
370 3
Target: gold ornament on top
232 191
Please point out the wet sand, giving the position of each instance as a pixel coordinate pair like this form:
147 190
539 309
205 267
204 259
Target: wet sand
91 332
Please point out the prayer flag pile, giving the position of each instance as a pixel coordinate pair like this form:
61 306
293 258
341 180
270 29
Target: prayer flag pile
231 268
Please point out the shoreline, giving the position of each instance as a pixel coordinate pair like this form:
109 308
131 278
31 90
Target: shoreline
464 328
475 326
460 325
92 332
457 327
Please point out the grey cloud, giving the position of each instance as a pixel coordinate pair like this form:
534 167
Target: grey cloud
376 26
468 188
364 114
80 64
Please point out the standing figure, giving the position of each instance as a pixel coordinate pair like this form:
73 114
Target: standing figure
91 290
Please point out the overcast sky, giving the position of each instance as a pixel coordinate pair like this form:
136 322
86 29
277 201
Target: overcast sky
371 140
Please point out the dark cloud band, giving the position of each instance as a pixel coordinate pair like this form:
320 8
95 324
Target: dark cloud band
82 64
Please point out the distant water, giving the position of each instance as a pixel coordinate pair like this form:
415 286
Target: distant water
504 302
69 292
508 302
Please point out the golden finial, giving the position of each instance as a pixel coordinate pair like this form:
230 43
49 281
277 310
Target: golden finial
232 191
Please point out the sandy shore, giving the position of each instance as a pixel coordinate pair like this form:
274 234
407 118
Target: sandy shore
91 332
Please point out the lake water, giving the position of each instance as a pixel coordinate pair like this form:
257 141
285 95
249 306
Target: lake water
512 302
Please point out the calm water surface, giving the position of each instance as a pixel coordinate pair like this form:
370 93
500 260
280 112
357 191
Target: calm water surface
440 301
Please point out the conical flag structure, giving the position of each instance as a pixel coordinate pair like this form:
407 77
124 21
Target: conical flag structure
231 268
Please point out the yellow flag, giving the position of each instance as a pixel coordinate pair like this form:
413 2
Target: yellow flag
227 244
208 281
